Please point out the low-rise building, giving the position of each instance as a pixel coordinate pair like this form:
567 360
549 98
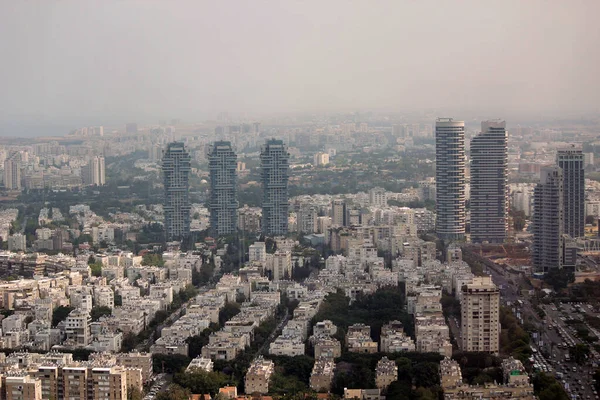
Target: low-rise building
386 373
258 376
322 375
358 339
205 364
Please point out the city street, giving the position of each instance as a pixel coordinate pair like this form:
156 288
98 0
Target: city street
551 344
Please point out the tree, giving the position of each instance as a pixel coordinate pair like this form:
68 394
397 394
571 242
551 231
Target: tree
172 363
175 392
591 220
60 313
134 393
96 269
559 278
100 311
200 381
153 259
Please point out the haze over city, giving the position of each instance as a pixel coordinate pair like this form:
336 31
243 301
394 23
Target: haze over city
73 62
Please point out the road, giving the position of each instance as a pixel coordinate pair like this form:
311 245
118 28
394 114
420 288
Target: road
553 337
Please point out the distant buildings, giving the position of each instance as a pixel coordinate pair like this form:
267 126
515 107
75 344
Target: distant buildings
450 178
274 160
480 308
386 373
321 159
176 169
489 183
548 220
223 205
571 161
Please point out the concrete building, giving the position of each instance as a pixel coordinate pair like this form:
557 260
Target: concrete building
571 161
77 327
548 220
321 159
176 169
258 376
327 347
204 364
322 374
22 387
338 212
386 373
280 265
358 339
378 197
480 309
223 205
513 388
274 161
257 252
143 361
450 178
94 173
17 242
306 218
12 172
489 183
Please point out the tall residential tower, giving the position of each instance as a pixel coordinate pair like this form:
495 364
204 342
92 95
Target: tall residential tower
176 169
274 160
223 205
450 178
489 183
571 160
480 309
548 220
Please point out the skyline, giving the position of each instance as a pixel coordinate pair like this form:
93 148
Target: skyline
70 62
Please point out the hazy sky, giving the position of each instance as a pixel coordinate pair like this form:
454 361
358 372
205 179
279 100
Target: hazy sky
144 60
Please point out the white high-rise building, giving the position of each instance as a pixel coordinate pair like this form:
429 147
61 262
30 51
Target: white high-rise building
12 172
489 183
450 178
94 172
378 197
480 309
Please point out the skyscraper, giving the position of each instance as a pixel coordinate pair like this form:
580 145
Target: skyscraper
176 169
548 220
338 212
480 308
450 178
274 160
223 205
94 173
571 161
12 172
489 183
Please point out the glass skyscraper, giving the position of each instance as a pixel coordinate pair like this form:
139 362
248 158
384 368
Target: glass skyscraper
176 169
223 205
274 161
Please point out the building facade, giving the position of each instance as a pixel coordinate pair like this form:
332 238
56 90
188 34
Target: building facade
548 220
480 322
450 178
489 183
94 173
176 169
571 161
274 160
12 172
223 205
